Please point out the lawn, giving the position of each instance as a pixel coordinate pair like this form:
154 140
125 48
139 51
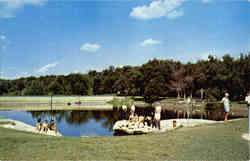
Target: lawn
206 142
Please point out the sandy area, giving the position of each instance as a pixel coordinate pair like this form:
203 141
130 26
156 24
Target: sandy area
168 124
25 127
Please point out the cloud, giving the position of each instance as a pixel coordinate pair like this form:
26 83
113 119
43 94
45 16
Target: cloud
2 37
157 9
175 14
45 68
90 47
206 1
150 42
3 42
9 8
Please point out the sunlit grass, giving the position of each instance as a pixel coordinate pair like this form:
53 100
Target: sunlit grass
206 142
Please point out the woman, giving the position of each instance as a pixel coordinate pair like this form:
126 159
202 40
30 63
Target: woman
226 102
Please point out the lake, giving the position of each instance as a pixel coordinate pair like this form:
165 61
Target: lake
89 122
70 123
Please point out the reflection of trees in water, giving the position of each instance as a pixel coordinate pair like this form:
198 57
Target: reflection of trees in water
57 115
77 117
111 118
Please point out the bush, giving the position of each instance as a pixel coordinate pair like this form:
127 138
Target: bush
212 94
118 102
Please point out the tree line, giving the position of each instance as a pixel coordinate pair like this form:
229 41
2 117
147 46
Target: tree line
152 80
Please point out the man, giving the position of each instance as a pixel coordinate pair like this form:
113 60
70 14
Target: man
158 116
247 99
226 102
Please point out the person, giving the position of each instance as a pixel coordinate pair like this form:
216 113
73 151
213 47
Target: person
247 99
132 113
124 114
45 126
157 116
226 102
52 126
189 101
39 124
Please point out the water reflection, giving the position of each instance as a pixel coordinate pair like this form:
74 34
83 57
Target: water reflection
78 117
82 122
71 123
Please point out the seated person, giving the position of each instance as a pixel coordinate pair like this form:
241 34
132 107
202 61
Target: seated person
52 126
141 119
148 120
39 124
45 126
133 117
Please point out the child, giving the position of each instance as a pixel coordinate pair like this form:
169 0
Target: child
39 124
52 126
45 126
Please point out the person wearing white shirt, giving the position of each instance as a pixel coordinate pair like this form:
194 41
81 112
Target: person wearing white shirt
226 102
247 99
158 116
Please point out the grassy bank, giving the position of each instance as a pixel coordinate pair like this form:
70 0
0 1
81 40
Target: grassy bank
55 99
207 142
34 103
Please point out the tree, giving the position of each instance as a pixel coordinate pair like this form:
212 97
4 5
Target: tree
178 82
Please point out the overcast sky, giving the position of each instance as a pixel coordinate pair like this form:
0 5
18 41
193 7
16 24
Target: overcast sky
41 37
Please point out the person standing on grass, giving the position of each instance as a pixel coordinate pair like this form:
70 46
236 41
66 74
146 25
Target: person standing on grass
226 102
247 99
158 116
188 104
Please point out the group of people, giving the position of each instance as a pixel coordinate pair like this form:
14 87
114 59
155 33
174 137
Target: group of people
225 100
44 127
146 120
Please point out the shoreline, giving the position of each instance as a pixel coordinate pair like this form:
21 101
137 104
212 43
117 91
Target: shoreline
21 126
87 108
166 125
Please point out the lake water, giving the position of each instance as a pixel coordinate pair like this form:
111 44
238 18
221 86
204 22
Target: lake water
86 123
70 123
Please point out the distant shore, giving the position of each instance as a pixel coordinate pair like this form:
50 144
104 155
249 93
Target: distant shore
42 103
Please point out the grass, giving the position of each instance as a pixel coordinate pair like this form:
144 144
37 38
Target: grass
118 102
207 142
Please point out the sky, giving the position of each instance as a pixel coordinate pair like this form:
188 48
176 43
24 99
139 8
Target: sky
43 37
